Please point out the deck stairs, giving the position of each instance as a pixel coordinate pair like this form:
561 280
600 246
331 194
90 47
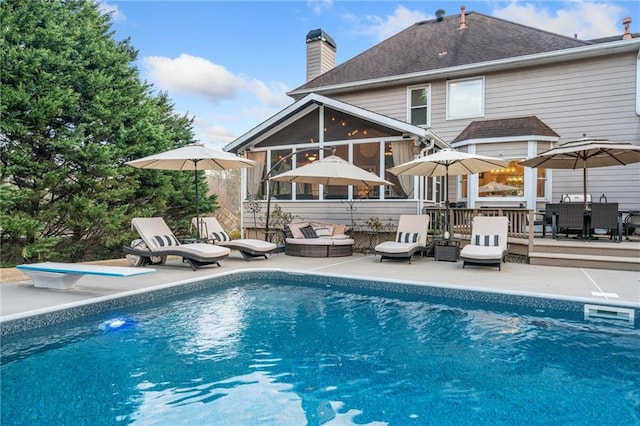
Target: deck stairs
597 254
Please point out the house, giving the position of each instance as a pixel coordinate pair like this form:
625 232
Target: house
466 80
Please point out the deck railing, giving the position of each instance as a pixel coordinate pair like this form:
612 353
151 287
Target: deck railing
520 220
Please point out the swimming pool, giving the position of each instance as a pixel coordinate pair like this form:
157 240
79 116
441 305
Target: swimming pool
296 350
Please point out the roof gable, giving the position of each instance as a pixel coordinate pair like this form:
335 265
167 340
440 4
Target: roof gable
433 45
311 102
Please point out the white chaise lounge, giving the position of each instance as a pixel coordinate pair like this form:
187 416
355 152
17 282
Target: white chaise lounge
64 276
411 237
488 244
211 231
159 242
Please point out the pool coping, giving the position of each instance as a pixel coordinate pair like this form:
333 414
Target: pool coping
37 318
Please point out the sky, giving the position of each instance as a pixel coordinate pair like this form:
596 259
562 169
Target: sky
229 64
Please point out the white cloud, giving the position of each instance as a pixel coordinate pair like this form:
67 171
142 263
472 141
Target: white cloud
319 6
381 28
586 19
198 76
193 75
273 95
113 10
213 135
193 79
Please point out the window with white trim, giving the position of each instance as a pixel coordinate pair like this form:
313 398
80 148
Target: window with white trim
465 98
418 111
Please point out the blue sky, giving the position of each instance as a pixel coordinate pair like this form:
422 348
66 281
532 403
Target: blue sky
230 63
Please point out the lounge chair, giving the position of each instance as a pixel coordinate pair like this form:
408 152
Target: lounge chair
211 231
488 245
159 242
411 237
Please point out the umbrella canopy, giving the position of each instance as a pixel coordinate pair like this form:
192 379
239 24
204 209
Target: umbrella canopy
331 170
585 153
494 186
192 157
448 162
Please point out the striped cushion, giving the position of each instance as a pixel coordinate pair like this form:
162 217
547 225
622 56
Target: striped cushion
308 232
486 240
408 237
287 231
220 236
322 231
166 240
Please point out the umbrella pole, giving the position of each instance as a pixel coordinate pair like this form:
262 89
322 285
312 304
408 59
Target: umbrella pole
446 192
195 176
584 185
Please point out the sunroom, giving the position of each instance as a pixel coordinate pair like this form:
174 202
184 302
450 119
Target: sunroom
314 127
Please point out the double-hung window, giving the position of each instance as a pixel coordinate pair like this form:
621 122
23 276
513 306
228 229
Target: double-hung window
465 98
418 108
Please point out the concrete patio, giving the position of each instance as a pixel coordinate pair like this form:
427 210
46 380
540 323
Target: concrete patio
21 299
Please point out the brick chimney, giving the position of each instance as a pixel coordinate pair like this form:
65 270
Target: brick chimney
627 32
463 24
321 53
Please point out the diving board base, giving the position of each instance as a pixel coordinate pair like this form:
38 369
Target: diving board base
63 276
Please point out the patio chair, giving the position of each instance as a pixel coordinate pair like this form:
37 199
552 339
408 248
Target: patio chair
550 210
411 237
211 231
605 216
631 223
158 242
488 244
571 218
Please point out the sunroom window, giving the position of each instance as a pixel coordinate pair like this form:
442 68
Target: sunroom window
504 182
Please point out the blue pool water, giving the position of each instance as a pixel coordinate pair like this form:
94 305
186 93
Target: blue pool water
268 353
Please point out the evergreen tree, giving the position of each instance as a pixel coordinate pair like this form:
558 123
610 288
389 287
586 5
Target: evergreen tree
72 110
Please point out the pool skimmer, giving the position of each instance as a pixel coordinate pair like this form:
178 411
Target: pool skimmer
600 312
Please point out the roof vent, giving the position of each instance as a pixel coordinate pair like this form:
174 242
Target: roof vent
440 14
627 32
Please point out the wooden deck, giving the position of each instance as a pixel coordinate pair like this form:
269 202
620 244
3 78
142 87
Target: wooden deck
599 252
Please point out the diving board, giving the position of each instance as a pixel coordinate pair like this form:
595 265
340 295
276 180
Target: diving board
63 276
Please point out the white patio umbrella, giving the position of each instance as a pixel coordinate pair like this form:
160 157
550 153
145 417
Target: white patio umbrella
448 162
331 170
193 157
586 153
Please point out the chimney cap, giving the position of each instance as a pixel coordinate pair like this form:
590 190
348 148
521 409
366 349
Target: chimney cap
440 14
320 35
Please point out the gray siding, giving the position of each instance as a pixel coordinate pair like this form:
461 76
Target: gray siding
595 97
332 211
508 151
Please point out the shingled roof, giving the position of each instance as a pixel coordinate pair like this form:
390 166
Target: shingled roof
505 127
433 44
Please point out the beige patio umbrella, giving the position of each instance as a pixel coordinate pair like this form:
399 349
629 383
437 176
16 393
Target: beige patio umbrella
448 162
192 157
586 153
331 170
